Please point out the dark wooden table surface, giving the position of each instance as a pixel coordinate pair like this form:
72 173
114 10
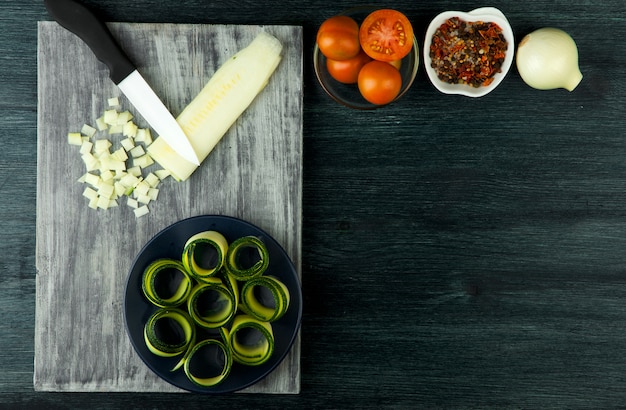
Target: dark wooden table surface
456 252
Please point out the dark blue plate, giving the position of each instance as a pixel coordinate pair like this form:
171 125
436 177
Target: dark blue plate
169 244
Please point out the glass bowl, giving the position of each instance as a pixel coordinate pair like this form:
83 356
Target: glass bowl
484 14
348 94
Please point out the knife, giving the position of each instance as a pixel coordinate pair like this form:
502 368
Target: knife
78 19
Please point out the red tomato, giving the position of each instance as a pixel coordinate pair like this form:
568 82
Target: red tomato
379 82
347 71
386 35
338 38
396 63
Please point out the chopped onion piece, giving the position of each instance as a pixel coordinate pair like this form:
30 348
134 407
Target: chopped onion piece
130 180
102 146
101 124
152 180
120 155
162 173
91 162
75 138
137 152
110 117
116 129
110 163
86 147
141 211
127 143
103 202
92 179
123 118
130 129
153 193
107 175
120 189
88 131
144 135
135 170
90 193
143 199
106 191
142 188
144 161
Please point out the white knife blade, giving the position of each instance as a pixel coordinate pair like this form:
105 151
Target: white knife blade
140 94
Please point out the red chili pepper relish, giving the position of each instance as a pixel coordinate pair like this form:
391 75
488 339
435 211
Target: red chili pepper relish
469 53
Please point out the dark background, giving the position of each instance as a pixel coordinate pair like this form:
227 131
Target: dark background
456 252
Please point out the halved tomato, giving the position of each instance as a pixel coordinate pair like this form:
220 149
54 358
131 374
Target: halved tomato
386 35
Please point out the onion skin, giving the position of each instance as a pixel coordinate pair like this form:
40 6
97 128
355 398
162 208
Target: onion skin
547 59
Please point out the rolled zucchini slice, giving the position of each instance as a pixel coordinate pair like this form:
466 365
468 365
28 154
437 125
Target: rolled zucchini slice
232 285
170 333
211 305
251 340
203 255
247 258
209 363
166 283
265 298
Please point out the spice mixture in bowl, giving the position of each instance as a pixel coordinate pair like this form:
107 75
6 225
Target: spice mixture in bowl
468 53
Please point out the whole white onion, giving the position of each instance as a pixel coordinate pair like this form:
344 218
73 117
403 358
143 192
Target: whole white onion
547 59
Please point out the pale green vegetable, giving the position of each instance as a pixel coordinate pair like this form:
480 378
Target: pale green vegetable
247 258
107 172
163 348
254 307
196 247
222 100
196 354
231 318
151 278
246 351
211 305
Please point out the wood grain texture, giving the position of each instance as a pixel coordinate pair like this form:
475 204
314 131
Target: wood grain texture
456 253
83 256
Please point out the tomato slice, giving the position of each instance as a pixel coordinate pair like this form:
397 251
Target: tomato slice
386 35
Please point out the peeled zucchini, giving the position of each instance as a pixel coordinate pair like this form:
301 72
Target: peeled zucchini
175 321
242 264
221 304
211 305
153 274
251 340
223 99
203 263
253 307
199 353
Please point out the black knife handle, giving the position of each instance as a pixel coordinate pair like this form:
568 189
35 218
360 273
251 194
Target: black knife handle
78 19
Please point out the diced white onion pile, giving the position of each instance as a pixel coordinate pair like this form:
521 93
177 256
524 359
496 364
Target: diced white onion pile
114 173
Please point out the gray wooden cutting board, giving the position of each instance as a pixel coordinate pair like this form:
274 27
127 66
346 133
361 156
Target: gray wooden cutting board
84 256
